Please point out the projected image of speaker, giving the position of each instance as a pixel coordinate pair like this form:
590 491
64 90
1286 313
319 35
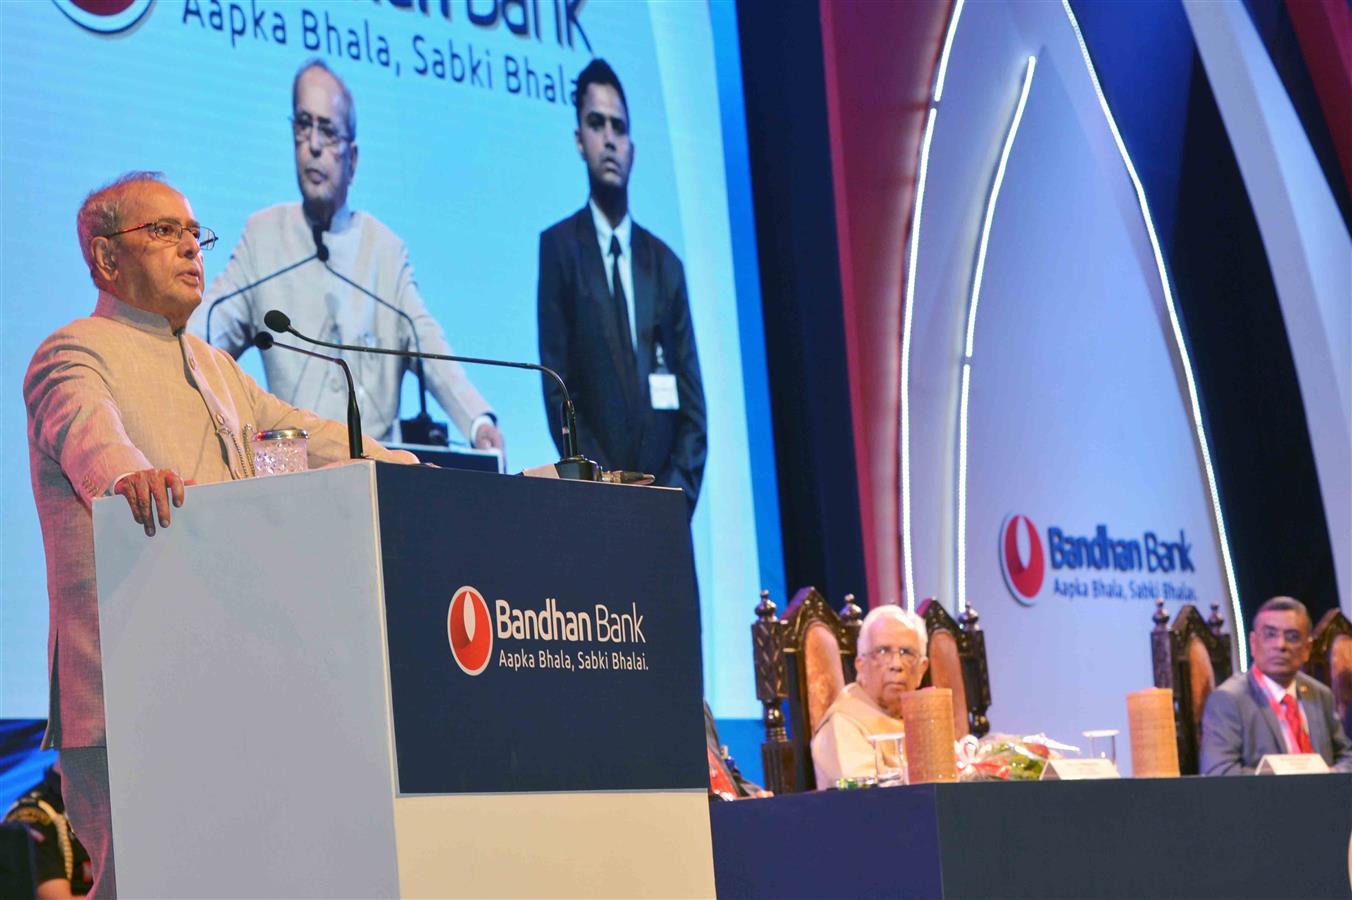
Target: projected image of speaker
343 276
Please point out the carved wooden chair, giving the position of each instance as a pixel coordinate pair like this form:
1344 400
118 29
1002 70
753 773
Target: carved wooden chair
957 660
804 657
1331 661
1190 657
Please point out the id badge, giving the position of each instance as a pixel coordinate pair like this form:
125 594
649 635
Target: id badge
662 387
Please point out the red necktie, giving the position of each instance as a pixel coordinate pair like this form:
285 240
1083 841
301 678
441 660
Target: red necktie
1292 716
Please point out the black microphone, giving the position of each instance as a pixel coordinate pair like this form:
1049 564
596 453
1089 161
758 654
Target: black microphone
421 429
266 278
321 251
574 466
264 341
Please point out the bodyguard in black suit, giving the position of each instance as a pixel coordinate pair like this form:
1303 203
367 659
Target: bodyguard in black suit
615 321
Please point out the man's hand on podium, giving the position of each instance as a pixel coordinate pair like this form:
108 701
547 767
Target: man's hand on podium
489 437
149 490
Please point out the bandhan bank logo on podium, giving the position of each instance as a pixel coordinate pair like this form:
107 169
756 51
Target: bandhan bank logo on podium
469 630
603 639
1024 573
104 16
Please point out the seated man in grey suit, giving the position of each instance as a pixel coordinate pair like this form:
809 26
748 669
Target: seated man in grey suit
1274 707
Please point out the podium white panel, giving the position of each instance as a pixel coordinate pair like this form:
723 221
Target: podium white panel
243 658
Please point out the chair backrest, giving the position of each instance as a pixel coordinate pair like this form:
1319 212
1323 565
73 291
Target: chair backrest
1190 657
957 661
822 671
1331 660
804 657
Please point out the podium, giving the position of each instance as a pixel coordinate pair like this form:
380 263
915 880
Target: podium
378 680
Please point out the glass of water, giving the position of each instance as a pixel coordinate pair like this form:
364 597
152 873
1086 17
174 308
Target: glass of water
280 451
889 758
1103 744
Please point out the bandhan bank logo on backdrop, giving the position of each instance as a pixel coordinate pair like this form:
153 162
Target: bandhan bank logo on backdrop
1023 573
104 16
1024 561
469 630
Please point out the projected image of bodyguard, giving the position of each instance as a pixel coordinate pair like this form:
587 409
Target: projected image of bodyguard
343 276
614 316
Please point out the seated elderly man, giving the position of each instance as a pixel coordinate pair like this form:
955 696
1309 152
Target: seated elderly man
1274 707
890 662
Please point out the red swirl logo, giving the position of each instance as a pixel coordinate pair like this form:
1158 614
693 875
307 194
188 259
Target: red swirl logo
104 16
469 630
1023 577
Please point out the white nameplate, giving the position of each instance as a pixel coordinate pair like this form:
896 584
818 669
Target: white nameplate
1078 769
1292 764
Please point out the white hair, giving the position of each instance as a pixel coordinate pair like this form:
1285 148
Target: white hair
317 63
101 211
897 614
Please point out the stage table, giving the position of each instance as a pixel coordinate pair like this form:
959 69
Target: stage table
1165 837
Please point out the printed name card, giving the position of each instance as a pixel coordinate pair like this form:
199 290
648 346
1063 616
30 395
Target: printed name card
1292 764
1079 770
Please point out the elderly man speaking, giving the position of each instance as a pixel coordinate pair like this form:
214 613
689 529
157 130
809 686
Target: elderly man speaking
890 662
125 402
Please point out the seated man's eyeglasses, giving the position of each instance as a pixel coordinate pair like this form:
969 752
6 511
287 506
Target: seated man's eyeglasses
1290 635
303 125
885 654
171 232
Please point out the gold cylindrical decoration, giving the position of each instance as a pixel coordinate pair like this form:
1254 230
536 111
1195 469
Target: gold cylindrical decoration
1154 741
929 735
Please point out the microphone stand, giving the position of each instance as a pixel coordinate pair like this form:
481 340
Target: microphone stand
422 428
265 341
248 287
573 466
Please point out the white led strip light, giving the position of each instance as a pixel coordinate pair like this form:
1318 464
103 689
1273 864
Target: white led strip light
908 308
977 275
1194 406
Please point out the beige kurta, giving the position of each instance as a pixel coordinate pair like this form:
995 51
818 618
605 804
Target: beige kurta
321 305
841 747
113 394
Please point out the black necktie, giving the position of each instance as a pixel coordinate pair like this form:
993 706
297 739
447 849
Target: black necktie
621 302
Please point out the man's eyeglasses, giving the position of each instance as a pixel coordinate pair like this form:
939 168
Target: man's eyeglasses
171 232
1290 635
302 126
885 654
